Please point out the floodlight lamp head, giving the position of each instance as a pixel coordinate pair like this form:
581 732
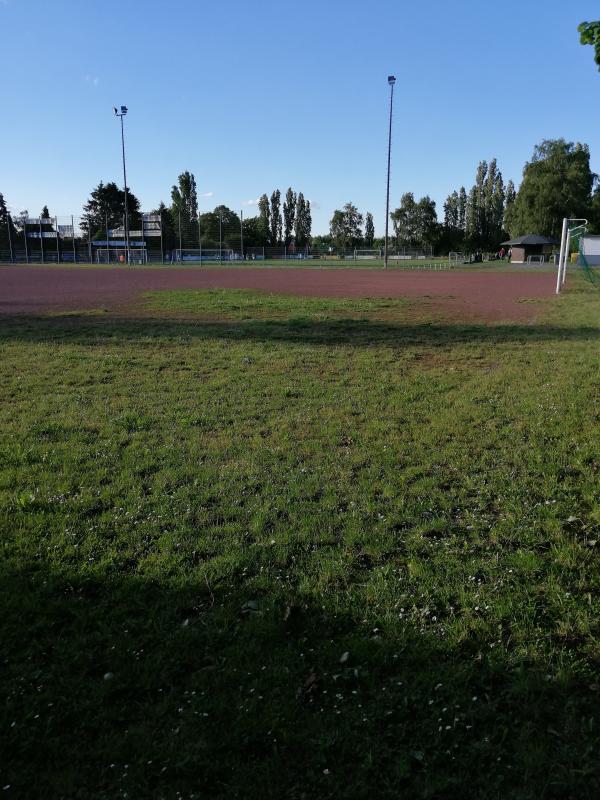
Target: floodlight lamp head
391 80
115 110
123 109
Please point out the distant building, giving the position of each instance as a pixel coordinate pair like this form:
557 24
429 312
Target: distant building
590 246
530 248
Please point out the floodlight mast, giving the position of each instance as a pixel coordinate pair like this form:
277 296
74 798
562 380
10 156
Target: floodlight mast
391 82
121 114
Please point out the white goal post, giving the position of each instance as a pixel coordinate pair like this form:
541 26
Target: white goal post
366 255
118 255
536 259
456 257
565 241
197 255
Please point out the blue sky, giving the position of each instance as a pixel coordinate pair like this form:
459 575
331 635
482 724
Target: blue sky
252 96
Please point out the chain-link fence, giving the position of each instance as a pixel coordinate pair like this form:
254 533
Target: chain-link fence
158 238
147 238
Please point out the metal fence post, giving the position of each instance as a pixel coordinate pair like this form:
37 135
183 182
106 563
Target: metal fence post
73 232
107 250
89 227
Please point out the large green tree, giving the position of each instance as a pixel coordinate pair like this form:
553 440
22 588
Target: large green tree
184 198
462 208
264 216
589 33
493 207
289 216
254 232
345 227
5 221
275 231
303 222
369 229
557 183
169 233
106 208
509 199
415 222
220 225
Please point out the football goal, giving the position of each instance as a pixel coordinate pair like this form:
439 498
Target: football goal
191 255
536 259
455 258
366 255
569 235
118 255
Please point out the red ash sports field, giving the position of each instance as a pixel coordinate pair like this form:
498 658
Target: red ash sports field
480 295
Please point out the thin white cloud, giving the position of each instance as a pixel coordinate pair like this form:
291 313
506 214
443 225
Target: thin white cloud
207 194
251 202
93 80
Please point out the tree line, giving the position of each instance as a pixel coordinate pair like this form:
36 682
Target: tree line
276 224
556 182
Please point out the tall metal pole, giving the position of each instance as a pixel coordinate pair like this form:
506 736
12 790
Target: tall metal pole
74 245
125 185
391 82
564 240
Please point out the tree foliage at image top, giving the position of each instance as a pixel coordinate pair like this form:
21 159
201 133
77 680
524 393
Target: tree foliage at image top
106 208
557 183
589 33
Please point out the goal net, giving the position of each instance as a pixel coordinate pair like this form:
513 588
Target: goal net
366 254
118 255
456 257
198 256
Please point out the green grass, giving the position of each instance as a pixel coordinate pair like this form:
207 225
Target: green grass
260 546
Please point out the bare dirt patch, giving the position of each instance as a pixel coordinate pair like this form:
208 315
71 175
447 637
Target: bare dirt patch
498 296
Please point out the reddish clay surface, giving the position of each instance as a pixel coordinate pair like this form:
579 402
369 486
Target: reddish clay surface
485 295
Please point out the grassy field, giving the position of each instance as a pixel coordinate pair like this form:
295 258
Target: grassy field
265 547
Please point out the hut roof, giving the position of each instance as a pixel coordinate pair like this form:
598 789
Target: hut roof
530 239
